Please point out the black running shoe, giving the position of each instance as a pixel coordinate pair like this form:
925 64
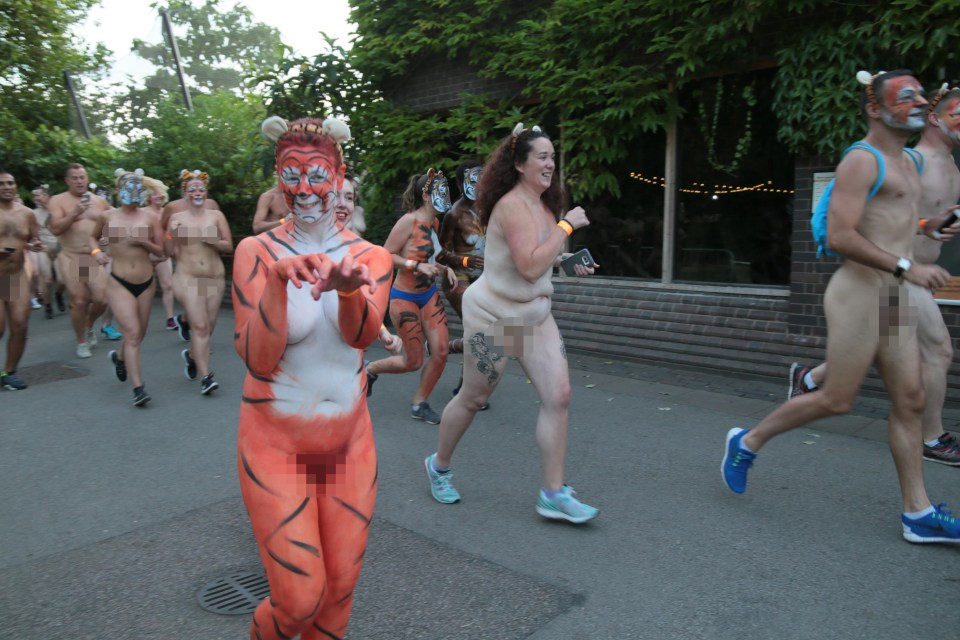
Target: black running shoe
183 327
12 382
797 386
191 369
48 311
140 396
60 304
208 384
118 366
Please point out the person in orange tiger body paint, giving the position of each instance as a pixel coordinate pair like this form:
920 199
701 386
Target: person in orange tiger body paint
415 306
306 457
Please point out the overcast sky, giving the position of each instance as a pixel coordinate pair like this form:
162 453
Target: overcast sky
116 23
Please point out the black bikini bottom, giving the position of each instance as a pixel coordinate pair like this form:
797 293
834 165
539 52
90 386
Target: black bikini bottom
135 289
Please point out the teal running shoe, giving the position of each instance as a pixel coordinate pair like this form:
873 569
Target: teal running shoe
440 485
565 507
110 333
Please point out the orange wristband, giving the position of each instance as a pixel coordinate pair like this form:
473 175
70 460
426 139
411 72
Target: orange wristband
348 295
168 237
566 226
466 260
95 251
283 220
922 223
410 265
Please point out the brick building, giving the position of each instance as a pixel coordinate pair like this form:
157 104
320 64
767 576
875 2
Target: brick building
723 301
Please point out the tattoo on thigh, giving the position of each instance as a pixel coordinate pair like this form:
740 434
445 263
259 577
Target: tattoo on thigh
486 358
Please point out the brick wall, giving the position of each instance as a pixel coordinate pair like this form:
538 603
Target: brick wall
442 82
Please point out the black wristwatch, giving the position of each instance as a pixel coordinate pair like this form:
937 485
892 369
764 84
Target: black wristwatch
903 265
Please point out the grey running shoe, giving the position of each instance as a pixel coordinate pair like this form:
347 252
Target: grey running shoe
797 386
423 412
9 380
83 350
946 452
140 396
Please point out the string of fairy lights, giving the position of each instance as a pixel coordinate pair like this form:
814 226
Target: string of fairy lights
717 190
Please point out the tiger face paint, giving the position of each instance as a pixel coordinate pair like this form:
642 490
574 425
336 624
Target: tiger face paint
470 179
903 105
196 193
132 190
949 119
440 194
309 180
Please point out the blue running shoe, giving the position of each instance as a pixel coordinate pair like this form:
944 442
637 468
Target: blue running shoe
565 507
938 526
110 333
440 485
736 461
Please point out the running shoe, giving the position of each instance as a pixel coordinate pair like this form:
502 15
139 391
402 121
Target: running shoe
208 384
191 369
371 378
171 324
140 396
110 333
797 386
83 350
119 367
35 304
938 526
946 452
91 337
48 312
565 507
9 380
183 327
736 461
441 486
60 304
423 412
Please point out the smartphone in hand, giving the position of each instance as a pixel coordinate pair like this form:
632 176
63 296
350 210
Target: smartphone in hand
581 257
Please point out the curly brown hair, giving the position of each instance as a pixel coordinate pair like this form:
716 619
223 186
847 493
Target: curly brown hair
500 175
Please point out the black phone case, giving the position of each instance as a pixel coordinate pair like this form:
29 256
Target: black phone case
580 257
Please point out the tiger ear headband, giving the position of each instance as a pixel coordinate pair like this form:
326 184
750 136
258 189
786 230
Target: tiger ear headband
517 132
940 95
866 78
432 175
276 127
186 176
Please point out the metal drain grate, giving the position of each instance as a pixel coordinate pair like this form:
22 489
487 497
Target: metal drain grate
234 595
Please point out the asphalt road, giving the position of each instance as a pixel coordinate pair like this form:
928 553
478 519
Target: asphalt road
112 518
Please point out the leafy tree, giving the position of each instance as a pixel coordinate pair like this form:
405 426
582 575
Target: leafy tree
218 49
36 46
220 136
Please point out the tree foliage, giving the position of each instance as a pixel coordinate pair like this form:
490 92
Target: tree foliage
606 72
37 46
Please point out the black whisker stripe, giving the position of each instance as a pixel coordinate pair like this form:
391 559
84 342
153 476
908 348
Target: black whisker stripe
249 400
306 547
273 237
376 476
362 252
345 598
343 244
242 299
363 319
326 633
385 277
256 267
310 615
276 626
289 518
257 376
359 558
249 471
354 511
289 566
266 320
267 247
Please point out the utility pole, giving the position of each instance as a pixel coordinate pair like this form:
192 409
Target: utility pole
670 197
172 41
68 81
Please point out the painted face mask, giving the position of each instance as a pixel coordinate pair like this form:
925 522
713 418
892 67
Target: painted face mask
308 181
904 106
440 194
470 179
196 192
950 120
132 191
